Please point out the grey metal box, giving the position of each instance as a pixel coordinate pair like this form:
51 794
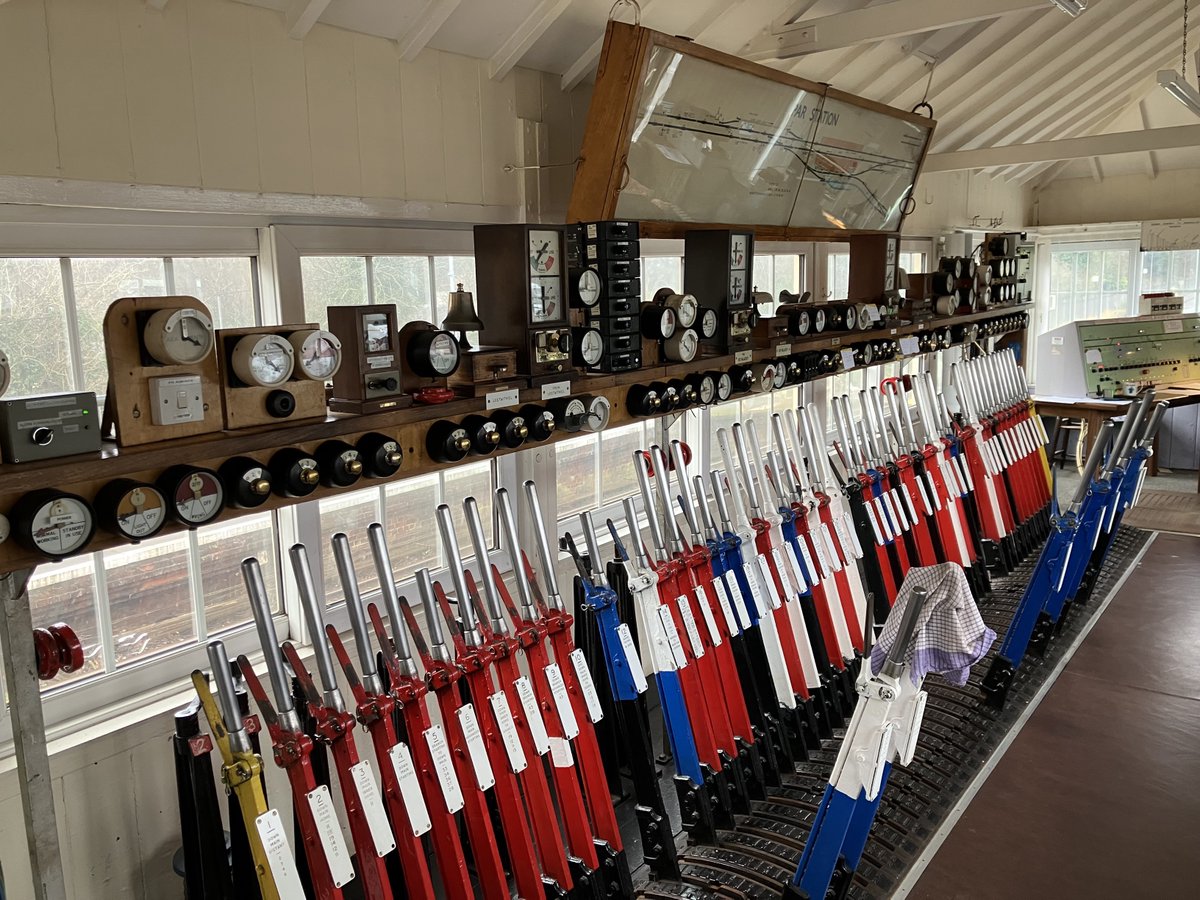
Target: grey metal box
33 428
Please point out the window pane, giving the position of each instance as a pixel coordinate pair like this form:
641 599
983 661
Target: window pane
448 273
458 484
98 282
659 272
576 475
412 537
617 476
225 284
222 549
764 275
33 322
723 415
351 513
788 272
837 276
149 597
332 281
66 592
404 280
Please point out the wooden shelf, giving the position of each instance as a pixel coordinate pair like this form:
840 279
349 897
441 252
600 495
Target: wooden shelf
85 475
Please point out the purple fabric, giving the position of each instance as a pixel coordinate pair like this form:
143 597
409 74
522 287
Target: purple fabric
950 635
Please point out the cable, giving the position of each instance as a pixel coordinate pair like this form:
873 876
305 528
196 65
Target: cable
1183 74
924 104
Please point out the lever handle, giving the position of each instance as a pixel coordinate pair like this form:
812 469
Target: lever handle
491 596
549 575
260 606
355 610
391 599
508 523
314 613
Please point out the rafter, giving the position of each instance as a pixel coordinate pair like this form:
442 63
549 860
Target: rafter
888 20
301 16
426 25
510 53
160 5
583 67
1097 172
1173 138
1077 68
1097 123
1150 161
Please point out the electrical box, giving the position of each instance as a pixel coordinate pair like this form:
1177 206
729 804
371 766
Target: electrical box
34 428
175 399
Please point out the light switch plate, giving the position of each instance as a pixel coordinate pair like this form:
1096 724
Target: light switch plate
175 399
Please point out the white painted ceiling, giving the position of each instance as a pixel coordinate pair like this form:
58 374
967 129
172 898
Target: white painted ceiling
1023 77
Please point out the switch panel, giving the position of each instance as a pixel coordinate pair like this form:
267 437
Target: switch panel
34 428
175 399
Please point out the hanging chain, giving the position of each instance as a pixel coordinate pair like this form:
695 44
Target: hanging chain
1183 74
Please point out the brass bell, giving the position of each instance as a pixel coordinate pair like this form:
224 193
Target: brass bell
462 316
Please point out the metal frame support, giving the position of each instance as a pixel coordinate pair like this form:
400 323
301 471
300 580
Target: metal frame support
29 736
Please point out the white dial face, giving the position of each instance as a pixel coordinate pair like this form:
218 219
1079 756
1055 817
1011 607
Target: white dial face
668 322
689 342
591 347
5 374
708 323
318 354
766 378
443 353
545 304
598 414
179 337
708 389
724 386
780 376
544 256
851 318
61 526
818 319
198 498
141 512
686 307
5 528
589 287
575 415
803 322
265 360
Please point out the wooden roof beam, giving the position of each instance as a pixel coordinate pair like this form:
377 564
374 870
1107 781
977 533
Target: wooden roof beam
427 24
535 25
1151 161
898 18
301 16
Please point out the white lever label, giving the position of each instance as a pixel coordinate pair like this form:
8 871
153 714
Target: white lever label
508 732
826 537
443 768
710 622
790 588
874 524
689 624
756 596
279 855
933 492
410 789
333 842
726 604
739 602
822 555
561 756
533 715
562 701
484 777
583 676
673 641
764 571
631 658
794 564
372 808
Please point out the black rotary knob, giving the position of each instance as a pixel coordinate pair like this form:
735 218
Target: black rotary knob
512 427
667 394
539 420
294 472
687 393
340 464
247 482
743 378
447 441
381 455
484 433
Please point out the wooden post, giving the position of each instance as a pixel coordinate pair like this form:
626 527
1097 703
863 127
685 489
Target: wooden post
29 736
873 263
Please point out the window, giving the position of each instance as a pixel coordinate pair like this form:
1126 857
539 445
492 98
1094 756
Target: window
1177 270
129 603
778 272
837 267
1089 282
596 470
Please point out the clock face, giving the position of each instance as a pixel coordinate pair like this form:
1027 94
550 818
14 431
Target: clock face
545 300
588 286
708 323
544 255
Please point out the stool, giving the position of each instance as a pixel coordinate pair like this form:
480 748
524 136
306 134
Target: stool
1060 433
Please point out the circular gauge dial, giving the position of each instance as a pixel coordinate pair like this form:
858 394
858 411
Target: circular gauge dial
572 415
708 388
194 496
686 308
658 322
5 528
781 375
133 510
266 360
590 345
318 354
764 378
599 411
682 346
5 374
708 323
588 287
443 353
52 523
724 386
178 337
819 320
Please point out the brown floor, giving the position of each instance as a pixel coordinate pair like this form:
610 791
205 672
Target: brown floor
1166 511
1099 795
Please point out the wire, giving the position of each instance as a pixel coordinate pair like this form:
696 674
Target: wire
1183 74
925 104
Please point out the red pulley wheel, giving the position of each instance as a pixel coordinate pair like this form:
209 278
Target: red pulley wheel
70 648
47 653
687 459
